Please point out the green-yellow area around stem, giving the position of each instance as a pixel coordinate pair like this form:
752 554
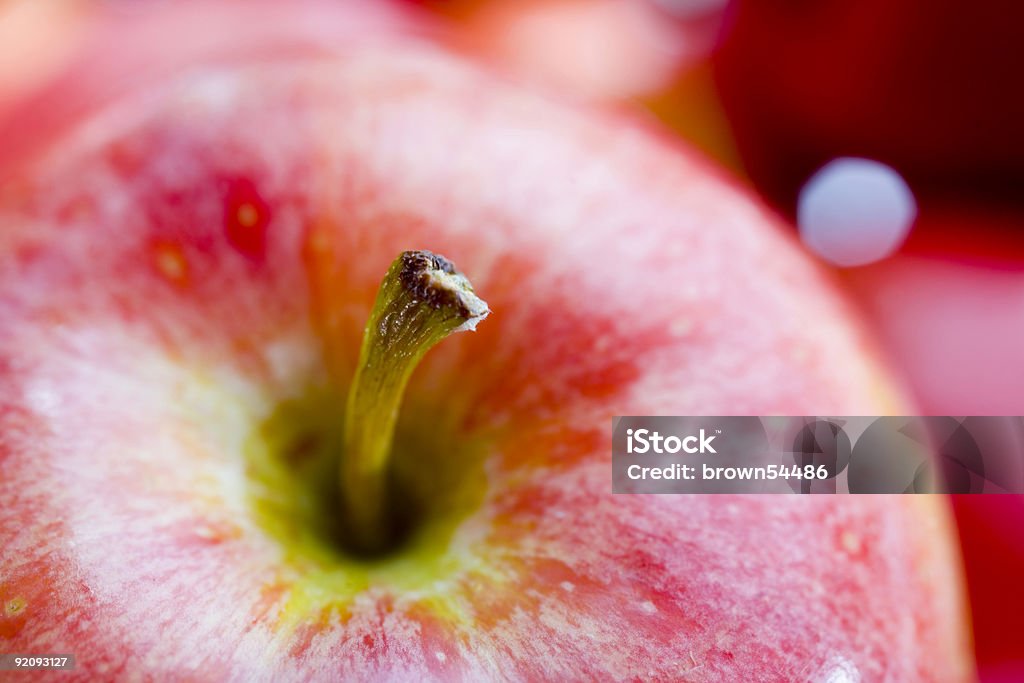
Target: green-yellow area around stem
292 460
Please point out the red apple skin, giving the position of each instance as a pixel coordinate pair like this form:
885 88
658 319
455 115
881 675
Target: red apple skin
151 324
930 87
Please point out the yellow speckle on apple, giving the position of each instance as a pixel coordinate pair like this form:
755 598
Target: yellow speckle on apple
247 215
171 262
15 606
850 542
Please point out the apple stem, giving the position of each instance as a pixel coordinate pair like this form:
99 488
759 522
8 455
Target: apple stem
421 300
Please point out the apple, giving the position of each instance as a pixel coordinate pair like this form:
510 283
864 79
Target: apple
596 50
645 55
193 235
993 550
950 300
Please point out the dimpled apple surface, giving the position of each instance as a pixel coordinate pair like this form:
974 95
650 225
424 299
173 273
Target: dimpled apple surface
191 238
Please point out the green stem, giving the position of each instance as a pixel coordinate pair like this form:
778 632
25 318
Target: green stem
422 300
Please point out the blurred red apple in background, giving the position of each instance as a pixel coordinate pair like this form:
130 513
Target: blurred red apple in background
948 310
929 87
195 215
994 561
651 57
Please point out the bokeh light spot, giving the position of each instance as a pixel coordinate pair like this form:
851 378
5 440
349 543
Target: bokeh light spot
855 211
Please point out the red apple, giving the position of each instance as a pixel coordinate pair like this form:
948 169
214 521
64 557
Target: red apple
930 87
993 552
947 309
598 50
192 235
632 54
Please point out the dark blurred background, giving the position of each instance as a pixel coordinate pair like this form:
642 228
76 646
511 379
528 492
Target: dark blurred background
888 133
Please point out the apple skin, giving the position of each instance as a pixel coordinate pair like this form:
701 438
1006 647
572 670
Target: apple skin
186 258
